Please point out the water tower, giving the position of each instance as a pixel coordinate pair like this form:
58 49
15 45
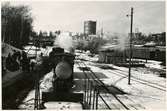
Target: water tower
90 27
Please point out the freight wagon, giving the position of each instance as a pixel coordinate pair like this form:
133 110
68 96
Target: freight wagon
114 55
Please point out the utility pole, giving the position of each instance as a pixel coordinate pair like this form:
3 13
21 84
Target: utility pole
130 45
37 84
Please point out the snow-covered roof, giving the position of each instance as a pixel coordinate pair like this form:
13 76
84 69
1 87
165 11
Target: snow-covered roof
30 47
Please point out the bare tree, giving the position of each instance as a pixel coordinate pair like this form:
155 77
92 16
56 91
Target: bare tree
16 24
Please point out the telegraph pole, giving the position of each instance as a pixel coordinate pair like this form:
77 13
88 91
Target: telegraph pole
130 44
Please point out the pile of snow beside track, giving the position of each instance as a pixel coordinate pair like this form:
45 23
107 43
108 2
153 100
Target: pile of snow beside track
46 83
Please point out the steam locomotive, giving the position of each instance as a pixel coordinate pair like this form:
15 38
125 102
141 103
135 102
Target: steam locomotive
61 63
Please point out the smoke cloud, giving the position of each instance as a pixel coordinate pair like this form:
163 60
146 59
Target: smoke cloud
120 41
64 40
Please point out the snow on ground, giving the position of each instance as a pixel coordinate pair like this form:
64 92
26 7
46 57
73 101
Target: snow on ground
31 50
63 106
152 64
138 95
46 83
47 86
85 56
145 96
28 102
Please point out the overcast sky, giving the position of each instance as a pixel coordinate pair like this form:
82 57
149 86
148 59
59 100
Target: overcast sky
69 16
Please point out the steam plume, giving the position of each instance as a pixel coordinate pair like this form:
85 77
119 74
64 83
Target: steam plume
64 40
120 41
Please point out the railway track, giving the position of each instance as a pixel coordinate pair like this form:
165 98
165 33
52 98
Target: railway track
124 74
144 82
129 100
98 81
121 71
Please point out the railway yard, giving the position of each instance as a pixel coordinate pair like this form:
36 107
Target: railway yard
86 55
105 86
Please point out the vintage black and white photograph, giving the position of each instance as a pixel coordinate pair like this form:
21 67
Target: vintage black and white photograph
83 55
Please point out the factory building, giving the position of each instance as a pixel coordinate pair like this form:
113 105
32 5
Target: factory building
90 27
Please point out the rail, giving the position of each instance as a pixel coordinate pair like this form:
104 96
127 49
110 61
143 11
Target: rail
142 81
96 93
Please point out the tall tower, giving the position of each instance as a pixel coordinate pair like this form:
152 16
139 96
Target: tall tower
90 27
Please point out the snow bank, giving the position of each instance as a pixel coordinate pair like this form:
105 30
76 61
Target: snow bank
46 83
